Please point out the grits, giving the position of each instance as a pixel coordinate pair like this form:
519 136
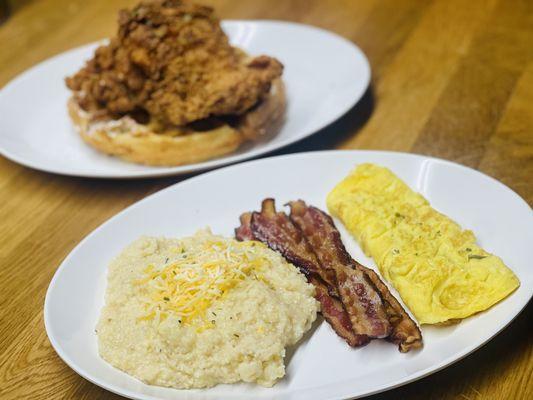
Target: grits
190 313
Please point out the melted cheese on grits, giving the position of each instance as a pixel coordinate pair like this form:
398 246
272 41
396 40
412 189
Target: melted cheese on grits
202 310
436 266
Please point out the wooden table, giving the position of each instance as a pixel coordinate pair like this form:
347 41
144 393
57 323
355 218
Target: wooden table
451 78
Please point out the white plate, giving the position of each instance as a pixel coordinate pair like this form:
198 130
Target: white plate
323 367
325 75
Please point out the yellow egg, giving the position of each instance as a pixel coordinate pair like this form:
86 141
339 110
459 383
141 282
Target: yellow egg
436 266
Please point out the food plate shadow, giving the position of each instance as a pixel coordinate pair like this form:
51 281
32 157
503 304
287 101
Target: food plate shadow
339 131
305 338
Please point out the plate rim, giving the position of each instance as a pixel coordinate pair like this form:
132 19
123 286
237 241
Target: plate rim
416 376
153 172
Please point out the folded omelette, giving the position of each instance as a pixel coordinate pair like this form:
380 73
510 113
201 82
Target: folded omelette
436 266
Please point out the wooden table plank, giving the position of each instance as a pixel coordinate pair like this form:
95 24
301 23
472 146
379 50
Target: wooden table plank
512 140
468 111
419 73
451 79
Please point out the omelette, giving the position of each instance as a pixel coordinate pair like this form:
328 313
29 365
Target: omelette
440 272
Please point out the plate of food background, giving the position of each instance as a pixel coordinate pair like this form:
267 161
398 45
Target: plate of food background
483 285
160 101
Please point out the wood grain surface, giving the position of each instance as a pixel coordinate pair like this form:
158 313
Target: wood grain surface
451 79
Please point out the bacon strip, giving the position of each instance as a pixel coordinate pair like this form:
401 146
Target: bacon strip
405 331
244 230
280 234
320 231
334 312
359 296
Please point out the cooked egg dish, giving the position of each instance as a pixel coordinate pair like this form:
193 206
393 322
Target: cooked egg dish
436 266
202 310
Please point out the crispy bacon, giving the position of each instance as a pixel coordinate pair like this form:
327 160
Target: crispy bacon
334 312
361 300
405 332
244 230
321 233
280 234
310 241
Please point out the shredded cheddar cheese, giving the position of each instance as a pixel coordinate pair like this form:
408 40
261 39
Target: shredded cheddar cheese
198 277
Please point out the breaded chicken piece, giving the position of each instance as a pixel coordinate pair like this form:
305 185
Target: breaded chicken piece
172 63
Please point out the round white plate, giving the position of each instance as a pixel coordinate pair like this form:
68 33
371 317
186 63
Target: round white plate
323 366
325 75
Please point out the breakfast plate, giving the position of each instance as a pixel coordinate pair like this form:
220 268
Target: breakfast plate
322 366
324 75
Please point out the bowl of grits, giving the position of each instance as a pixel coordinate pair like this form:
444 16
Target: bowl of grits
202 310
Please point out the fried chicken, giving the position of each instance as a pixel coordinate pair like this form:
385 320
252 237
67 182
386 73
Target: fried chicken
172 63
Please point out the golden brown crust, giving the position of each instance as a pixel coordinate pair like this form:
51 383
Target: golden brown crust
172 60
135 142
